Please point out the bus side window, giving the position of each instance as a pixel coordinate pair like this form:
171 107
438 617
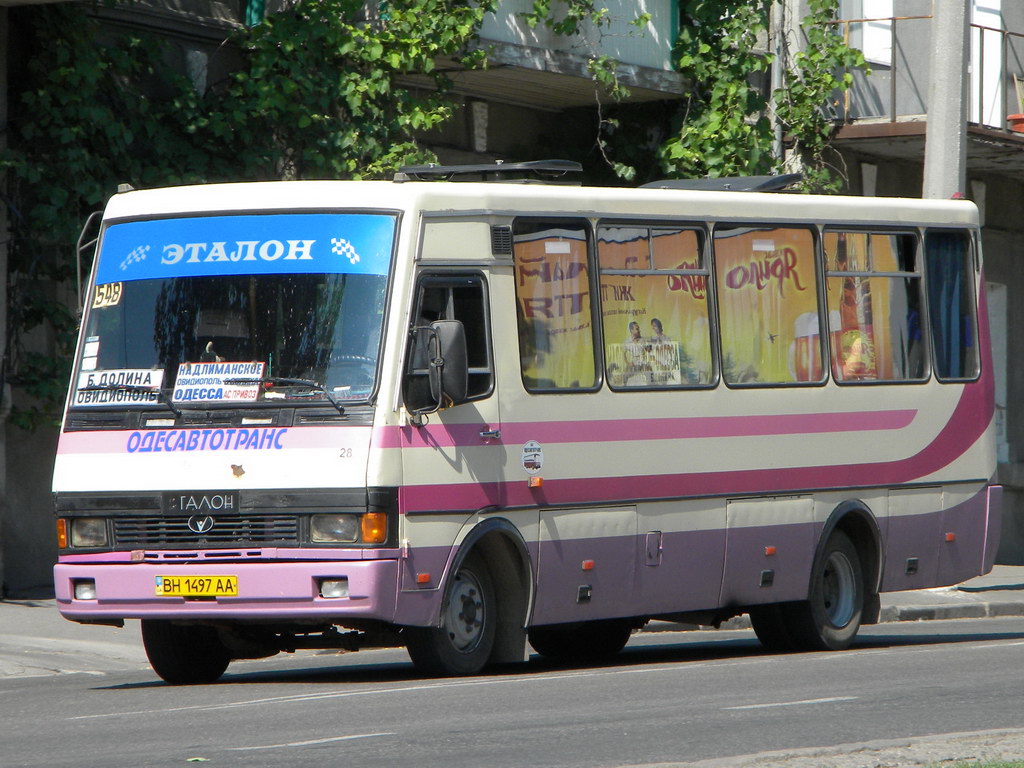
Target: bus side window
766 283
553 306
450 297
874 306
953 326
654 306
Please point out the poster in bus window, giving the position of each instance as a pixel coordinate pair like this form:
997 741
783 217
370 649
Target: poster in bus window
655 326
768 304
869 317
553 291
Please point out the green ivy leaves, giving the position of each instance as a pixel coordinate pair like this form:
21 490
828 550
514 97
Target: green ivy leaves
318 93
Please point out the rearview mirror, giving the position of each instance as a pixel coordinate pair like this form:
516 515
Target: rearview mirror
448 369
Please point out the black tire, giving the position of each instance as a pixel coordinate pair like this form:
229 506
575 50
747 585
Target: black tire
769 623
592 641
184 654
830 618
463 643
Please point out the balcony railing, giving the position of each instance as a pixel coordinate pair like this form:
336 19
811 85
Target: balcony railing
897 88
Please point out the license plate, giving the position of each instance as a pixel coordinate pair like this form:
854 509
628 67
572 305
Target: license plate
197 586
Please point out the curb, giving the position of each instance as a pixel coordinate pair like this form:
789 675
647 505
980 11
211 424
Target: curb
888 614
981 610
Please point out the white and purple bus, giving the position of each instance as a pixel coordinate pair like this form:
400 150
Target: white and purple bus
470 418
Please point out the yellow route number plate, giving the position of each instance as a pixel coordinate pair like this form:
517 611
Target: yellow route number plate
197 586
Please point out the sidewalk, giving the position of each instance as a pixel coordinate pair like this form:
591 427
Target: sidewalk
36 641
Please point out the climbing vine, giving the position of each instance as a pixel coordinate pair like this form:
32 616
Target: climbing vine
724 124
317 94
725 128
822 70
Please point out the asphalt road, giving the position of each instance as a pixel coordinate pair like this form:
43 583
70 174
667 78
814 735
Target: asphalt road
670 698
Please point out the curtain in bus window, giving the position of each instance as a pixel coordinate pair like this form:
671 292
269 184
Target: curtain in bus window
556 334
768 305
873 293
950 304
654 307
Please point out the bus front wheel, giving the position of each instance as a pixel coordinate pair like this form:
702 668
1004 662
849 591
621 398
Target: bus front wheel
830 618
463 642
184 654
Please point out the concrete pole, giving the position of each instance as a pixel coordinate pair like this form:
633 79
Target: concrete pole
5 236
777 47
945 152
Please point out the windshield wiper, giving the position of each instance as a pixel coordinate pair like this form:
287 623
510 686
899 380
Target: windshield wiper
161 395
286 382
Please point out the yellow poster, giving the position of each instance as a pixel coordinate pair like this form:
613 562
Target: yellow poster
768 305
654 307
556 335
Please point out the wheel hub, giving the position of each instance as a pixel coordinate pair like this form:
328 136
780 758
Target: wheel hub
465 613
838 590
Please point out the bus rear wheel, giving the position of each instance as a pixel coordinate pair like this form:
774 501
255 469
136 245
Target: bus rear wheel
184 654
591 641
462 644
769 623
830 618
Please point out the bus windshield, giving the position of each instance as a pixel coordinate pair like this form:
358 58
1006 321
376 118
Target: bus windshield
236 310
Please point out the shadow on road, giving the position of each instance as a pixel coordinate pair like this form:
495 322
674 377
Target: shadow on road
645 649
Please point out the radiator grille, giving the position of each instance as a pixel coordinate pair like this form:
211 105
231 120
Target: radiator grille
153 531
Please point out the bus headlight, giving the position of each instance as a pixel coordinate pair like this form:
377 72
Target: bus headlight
88 532
334 528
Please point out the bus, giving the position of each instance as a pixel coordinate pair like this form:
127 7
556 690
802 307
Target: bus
473 417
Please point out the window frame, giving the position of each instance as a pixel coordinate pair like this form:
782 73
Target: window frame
587 226
919 274
815 230
971 259
448 279
653 225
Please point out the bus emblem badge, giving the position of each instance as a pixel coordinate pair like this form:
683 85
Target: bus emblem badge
200 523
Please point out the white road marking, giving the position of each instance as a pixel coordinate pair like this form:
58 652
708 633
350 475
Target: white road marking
309 743
527 679
795 703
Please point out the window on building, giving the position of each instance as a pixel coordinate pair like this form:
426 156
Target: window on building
870 28
874 306
654 306
553 307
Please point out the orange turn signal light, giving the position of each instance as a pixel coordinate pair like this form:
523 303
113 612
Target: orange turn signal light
375 527
422 578
951 536
587 565
769 551
62 533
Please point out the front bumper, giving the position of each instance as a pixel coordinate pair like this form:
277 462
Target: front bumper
268 591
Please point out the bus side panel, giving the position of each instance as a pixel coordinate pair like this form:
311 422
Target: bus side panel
963 532
587 563
769 550
912 544
994 527
681 555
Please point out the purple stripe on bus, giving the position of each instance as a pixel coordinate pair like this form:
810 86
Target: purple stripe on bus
967 423
628 430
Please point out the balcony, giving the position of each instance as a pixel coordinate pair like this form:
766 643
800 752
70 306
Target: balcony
542 70
885 112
